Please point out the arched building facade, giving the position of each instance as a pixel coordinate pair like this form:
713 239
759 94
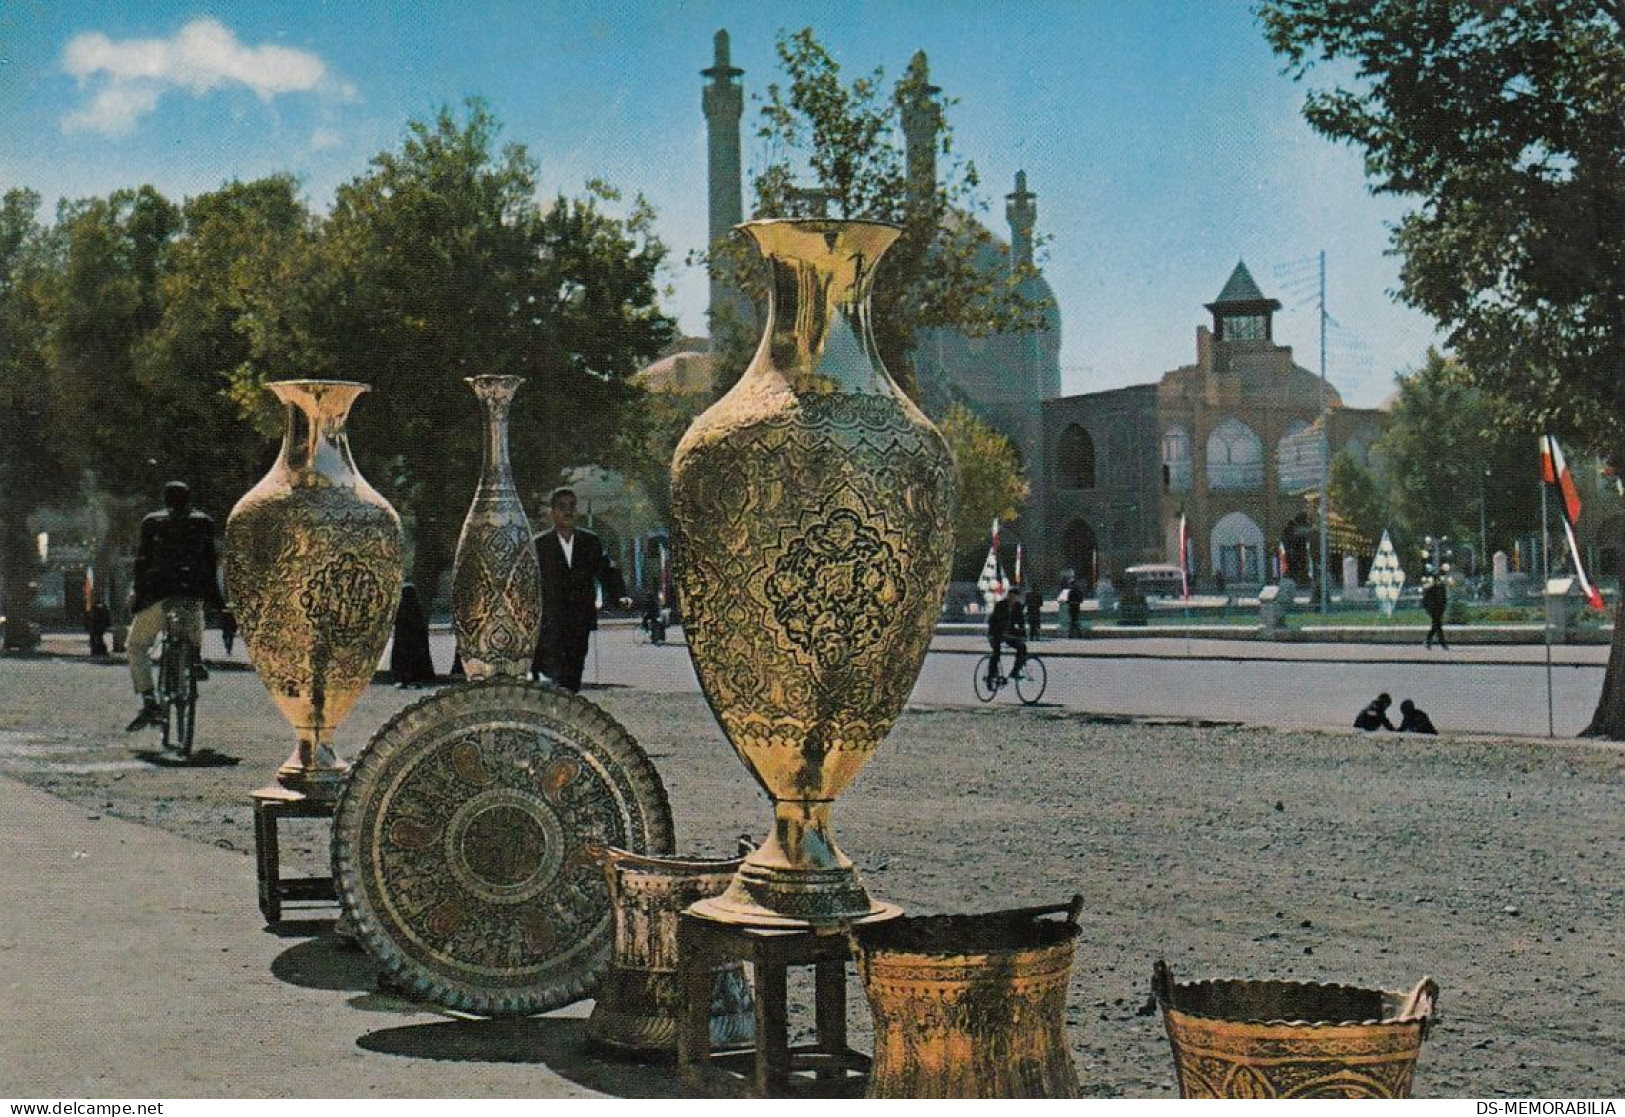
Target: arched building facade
1232 443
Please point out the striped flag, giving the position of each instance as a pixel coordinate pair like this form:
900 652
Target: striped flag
1016 577
991 582
664 593
1555 471
1281 565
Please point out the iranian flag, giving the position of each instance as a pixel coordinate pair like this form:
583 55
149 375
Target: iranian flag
1555 472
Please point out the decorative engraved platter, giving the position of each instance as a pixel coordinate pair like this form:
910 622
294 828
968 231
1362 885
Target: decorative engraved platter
460 844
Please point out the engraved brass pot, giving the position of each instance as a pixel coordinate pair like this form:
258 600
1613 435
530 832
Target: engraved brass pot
970 1006
496 584
812 509
1293 1039
313 570
638 1007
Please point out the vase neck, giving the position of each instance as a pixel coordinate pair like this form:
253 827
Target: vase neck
818 336
496 393
315 442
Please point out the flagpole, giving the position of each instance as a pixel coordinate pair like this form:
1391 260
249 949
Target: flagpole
1546 618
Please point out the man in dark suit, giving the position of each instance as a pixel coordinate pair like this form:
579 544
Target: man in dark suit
573 565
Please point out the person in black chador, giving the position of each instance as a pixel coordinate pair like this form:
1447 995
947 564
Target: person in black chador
410 663
573 565
1434 599
1375 715
174 562
228 629
1035 614
100 620
1412 720
1003 627
1074 603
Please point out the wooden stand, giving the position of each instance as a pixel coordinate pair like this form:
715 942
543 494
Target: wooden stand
271 805
772 1069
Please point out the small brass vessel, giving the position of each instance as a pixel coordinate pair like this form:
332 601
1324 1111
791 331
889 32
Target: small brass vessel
1293 1039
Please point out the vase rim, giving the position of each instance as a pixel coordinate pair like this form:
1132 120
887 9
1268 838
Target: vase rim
817 222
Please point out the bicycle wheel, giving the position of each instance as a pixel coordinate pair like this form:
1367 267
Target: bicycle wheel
985 690
168 688
1032 680
185 701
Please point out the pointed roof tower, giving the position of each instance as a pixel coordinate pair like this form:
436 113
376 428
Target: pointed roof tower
1242 312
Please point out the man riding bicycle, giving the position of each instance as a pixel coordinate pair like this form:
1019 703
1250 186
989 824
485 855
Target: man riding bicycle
1002 627
174 567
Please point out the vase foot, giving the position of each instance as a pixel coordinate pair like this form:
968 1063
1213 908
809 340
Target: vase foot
314 783
788 901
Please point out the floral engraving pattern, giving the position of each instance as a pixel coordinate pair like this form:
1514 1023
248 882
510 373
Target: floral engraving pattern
462 843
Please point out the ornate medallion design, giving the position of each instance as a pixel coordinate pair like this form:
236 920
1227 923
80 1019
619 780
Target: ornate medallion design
462 843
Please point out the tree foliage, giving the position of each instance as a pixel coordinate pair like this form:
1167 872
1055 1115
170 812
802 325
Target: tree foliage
991 483
33 465
438 264
836 148
1449 446
1506 124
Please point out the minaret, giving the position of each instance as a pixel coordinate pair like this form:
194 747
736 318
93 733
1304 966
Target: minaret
1021 209
922 122
724 104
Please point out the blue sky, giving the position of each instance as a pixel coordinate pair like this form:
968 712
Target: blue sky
1161 138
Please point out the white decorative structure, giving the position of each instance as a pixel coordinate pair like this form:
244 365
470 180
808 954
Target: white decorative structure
1386 576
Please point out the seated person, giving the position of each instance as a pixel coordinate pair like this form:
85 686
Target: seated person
1412 720
1375 715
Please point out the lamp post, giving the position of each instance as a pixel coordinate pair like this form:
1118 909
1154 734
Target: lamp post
1483 521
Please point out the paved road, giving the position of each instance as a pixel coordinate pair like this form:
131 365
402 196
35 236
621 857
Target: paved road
1496 689
1484 689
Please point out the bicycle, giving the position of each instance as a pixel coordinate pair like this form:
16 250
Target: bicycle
179 667
1029 684
651 630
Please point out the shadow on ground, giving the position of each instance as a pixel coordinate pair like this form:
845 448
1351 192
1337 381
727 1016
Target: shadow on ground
323 963
559 1043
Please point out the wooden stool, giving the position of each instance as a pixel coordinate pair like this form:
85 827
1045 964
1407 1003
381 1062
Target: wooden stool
271 805
772 1069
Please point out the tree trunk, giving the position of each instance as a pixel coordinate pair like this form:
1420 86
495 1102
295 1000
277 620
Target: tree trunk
1609 720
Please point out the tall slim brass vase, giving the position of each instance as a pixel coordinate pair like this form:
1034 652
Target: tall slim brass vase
313 571
496 585
813 516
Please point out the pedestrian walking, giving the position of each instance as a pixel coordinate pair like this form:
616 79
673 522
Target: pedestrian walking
100 620
228 629
1074 605
1434 599
1035 614
573 570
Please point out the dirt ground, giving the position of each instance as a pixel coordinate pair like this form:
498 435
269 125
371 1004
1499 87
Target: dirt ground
1493 865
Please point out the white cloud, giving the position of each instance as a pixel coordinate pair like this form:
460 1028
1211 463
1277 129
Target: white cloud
128 76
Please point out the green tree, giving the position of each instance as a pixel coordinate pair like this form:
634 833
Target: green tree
991 484
836 149
1452 451
438 264
1505 124
1359 496
33 465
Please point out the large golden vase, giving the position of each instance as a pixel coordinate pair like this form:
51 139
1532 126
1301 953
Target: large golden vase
313 571
496 584
813 520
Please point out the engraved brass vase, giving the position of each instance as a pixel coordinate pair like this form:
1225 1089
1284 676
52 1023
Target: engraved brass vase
1293 1039
970 1006
812 509
313 570
638 1005
496 584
